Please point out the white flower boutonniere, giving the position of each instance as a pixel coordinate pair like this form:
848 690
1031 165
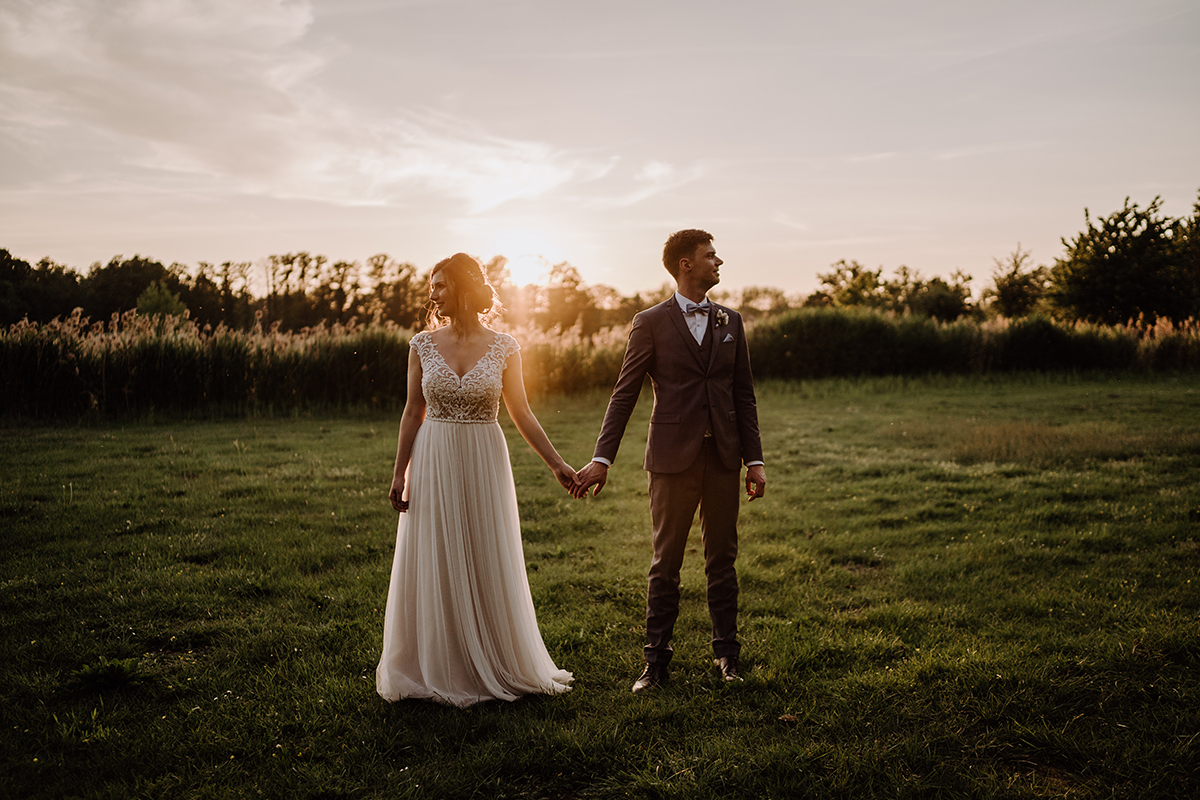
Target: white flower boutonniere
721 317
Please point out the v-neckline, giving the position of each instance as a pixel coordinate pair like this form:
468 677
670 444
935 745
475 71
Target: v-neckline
478 361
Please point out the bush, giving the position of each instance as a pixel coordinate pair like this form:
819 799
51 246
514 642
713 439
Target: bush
823 342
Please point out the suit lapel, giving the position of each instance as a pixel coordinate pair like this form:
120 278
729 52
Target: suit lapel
714 343
689 342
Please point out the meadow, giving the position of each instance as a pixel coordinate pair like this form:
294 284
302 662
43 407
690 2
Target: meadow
967 586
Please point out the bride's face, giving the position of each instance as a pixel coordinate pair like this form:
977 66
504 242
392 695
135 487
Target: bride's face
441 295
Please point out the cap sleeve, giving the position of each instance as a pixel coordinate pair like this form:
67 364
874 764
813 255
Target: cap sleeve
509 346
421 343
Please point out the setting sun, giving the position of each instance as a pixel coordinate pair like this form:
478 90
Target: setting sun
527 245
526 269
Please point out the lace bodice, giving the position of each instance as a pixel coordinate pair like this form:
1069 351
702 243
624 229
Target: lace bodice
475 397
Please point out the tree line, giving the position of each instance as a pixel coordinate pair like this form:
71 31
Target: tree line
1135 263
302 291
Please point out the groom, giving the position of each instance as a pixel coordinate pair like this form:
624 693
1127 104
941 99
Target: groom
703 427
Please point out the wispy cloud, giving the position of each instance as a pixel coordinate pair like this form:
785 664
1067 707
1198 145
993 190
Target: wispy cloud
779 218
981 150
653 178
222 89
870 158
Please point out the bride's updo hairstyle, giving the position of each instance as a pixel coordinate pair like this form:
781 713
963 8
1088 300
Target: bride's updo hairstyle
468 287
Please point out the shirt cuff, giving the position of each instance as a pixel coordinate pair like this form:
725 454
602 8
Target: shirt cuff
603 461
748 463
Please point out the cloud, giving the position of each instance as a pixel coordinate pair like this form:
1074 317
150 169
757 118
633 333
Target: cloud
222 90
454 158
654 177
196 77
870 158
979 151
779 218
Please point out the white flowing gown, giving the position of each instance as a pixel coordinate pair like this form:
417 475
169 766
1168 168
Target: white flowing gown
460 625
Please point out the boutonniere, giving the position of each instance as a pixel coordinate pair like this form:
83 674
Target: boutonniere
721 317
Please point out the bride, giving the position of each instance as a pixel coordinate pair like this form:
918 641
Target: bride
460 625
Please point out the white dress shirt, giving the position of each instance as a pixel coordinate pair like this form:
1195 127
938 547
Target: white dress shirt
696 323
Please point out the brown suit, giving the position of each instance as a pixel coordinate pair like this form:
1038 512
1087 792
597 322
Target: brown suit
697 388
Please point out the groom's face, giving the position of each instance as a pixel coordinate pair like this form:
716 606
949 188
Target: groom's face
706 266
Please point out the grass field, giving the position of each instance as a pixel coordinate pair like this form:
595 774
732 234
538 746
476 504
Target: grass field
967 587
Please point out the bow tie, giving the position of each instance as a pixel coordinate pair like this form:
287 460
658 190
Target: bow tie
695 308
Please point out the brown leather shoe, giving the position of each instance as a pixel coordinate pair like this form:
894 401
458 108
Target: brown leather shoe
653 675
729 667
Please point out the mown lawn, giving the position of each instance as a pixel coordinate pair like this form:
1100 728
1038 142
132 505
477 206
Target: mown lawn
964 587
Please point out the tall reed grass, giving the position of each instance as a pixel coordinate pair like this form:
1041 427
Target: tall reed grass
137 366
568 363
134 366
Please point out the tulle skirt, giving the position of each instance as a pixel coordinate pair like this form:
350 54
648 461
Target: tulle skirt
460 626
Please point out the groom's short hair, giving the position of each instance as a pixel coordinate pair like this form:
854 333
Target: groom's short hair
682 244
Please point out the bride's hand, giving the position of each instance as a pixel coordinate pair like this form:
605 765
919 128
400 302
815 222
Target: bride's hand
396 495
565 476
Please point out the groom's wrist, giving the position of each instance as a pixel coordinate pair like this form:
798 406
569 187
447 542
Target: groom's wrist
604 461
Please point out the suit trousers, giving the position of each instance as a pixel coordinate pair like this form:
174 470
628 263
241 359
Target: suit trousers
712 486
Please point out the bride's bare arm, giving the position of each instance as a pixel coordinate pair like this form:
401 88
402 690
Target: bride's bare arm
517 404
410 421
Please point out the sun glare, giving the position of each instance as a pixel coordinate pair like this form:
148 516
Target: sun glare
531 246
526 269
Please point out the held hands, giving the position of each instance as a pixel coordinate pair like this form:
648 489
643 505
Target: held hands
756 482
594 474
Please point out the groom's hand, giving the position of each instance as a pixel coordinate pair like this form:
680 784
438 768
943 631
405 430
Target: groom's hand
594 474
756 482
396 495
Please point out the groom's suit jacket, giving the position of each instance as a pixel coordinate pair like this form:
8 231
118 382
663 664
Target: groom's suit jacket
691 393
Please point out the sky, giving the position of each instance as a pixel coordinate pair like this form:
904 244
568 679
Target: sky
937 135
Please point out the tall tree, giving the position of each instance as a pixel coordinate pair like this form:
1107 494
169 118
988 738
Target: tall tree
291 281
1125 265
939 298
15 274
1016 289
220 295
852 284
237 300
157 299
1187 250
115 287
336 297
397 294
760 301
39 293
562 301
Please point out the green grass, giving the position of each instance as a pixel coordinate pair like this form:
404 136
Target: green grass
955 587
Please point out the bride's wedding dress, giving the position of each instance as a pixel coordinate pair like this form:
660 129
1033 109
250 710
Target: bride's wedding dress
460 625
